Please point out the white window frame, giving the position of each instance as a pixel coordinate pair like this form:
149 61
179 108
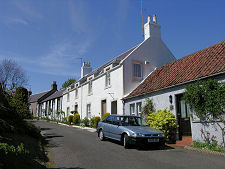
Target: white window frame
90 87
76 93
132 109
88 111
107 79
138 108
68 97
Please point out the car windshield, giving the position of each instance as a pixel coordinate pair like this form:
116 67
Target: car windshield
132 121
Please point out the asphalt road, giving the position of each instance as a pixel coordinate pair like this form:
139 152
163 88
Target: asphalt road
80 149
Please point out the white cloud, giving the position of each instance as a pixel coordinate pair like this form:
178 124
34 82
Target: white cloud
16 20
25 7
78 16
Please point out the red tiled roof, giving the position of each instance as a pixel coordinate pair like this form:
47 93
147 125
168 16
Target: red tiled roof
203 63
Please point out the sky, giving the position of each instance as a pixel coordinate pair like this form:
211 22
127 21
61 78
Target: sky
47 38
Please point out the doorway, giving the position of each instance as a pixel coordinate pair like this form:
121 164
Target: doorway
114 107
183 117
103 104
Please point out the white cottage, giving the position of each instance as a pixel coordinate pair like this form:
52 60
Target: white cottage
101 90
166 86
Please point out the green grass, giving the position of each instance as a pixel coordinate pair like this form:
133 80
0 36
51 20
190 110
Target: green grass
213 146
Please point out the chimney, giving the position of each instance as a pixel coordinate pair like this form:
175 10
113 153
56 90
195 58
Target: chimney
85 69
29 93
54 85
152 28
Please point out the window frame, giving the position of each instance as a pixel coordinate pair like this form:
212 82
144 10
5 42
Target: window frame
132 104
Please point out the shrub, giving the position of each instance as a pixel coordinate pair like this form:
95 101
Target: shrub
164 121
76 119
105 115
70 119
92 122
85 121
96 120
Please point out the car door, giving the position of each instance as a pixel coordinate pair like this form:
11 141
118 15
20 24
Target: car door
116 128
107 126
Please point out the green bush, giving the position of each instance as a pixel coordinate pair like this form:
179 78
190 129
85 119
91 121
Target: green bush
96 120
70 119
85 121
76 119
92 122
105 115
164 121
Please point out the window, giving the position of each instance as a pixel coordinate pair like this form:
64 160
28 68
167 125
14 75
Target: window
88 111
132 112
107 79
68 111
138 108
137 70
68 97
76 93
90 87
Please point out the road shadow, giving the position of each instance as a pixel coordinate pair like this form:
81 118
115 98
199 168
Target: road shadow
142 147
44 129
68 168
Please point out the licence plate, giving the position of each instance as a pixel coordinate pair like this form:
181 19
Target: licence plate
153 140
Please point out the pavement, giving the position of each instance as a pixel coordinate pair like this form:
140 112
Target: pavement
76 148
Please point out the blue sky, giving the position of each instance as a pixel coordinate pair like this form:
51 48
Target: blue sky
47 37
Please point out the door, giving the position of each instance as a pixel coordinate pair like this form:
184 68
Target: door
183 116
115 129
114 107
103 106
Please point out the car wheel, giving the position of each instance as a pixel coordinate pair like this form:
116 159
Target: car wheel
125 141
101 135
162 146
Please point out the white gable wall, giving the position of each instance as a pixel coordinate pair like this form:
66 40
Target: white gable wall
154 52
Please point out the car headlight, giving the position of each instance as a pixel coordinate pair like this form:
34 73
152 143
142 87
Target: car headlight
137 135
161 135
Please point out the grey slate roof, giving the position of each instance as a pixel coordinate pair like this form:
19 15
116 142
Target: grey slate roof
35 97
55 95
115 61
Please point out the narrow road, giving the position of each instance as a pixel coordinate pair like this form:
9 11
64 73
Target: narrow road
80 149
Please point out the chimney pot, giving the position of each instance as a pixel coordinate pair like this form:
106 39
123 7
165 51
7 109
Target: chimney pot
154 19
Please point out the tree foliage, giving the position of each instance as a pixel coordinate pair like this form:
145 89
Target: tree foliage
68 82
20 102
11 75
207 99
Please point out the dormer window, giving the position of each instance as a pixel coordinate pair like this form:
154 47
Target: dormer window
68 97
107 78
90 87
76 93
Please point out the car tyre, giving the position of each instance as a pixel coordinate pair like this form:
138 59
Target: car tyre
101 135
125 141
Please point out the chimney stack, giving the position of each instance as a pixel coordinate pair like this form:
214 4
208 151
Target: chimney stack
152 28
85 69
54 85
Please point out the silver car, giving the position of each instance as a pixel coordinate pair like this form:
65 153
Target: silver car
129 130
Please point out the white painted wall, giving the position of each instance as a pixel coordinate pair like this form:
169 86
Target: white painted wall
152 50
99 93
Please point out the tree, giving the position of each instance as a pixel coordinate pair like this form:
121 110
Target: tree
68 83
207 99
11 75
20 102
